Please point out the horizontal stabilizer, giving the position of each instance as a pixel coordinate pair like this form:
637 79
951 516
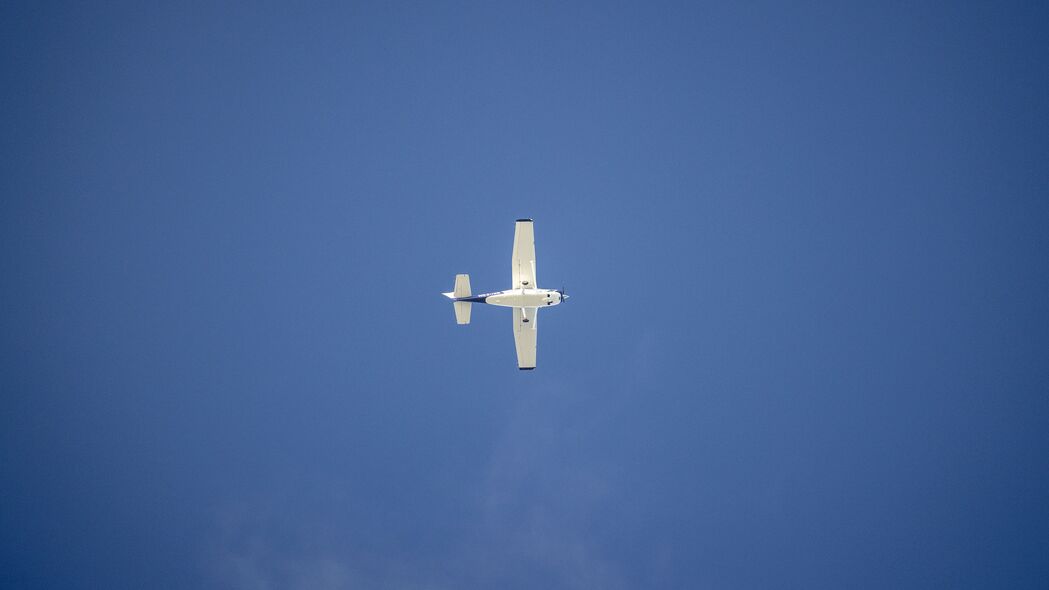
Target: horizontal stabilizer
462 286
462 312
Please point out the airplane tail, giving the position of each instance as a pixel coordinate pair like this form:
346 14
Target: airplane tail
462 308
462 312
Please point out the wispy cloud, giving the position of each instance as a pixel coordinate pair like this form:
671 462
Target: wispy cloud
533 520
543 493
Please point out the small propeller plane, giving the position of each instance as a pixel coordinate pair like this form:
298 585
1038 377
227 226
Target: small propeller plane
525 297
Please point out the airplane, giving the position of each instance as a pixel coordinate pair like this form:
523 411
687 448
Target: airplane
525 296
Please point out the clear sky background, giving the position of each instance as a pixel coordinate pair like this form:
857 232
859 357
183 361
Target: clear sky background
806 243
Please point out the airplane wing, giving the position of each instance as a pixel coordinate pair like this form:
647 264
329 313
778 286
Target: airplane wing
524 255
525 335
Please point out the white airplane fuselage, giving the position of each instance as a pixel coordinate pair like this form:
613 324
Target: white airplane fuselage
518 298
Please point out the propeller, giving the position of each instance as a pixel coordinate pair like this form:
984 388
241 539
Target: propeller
562 292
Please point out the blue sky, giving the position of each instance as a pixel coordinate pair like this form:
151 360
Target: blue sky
806 247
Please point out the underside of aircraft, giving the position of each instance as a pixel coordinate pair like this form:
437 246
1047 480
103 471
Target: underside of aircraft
525 296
